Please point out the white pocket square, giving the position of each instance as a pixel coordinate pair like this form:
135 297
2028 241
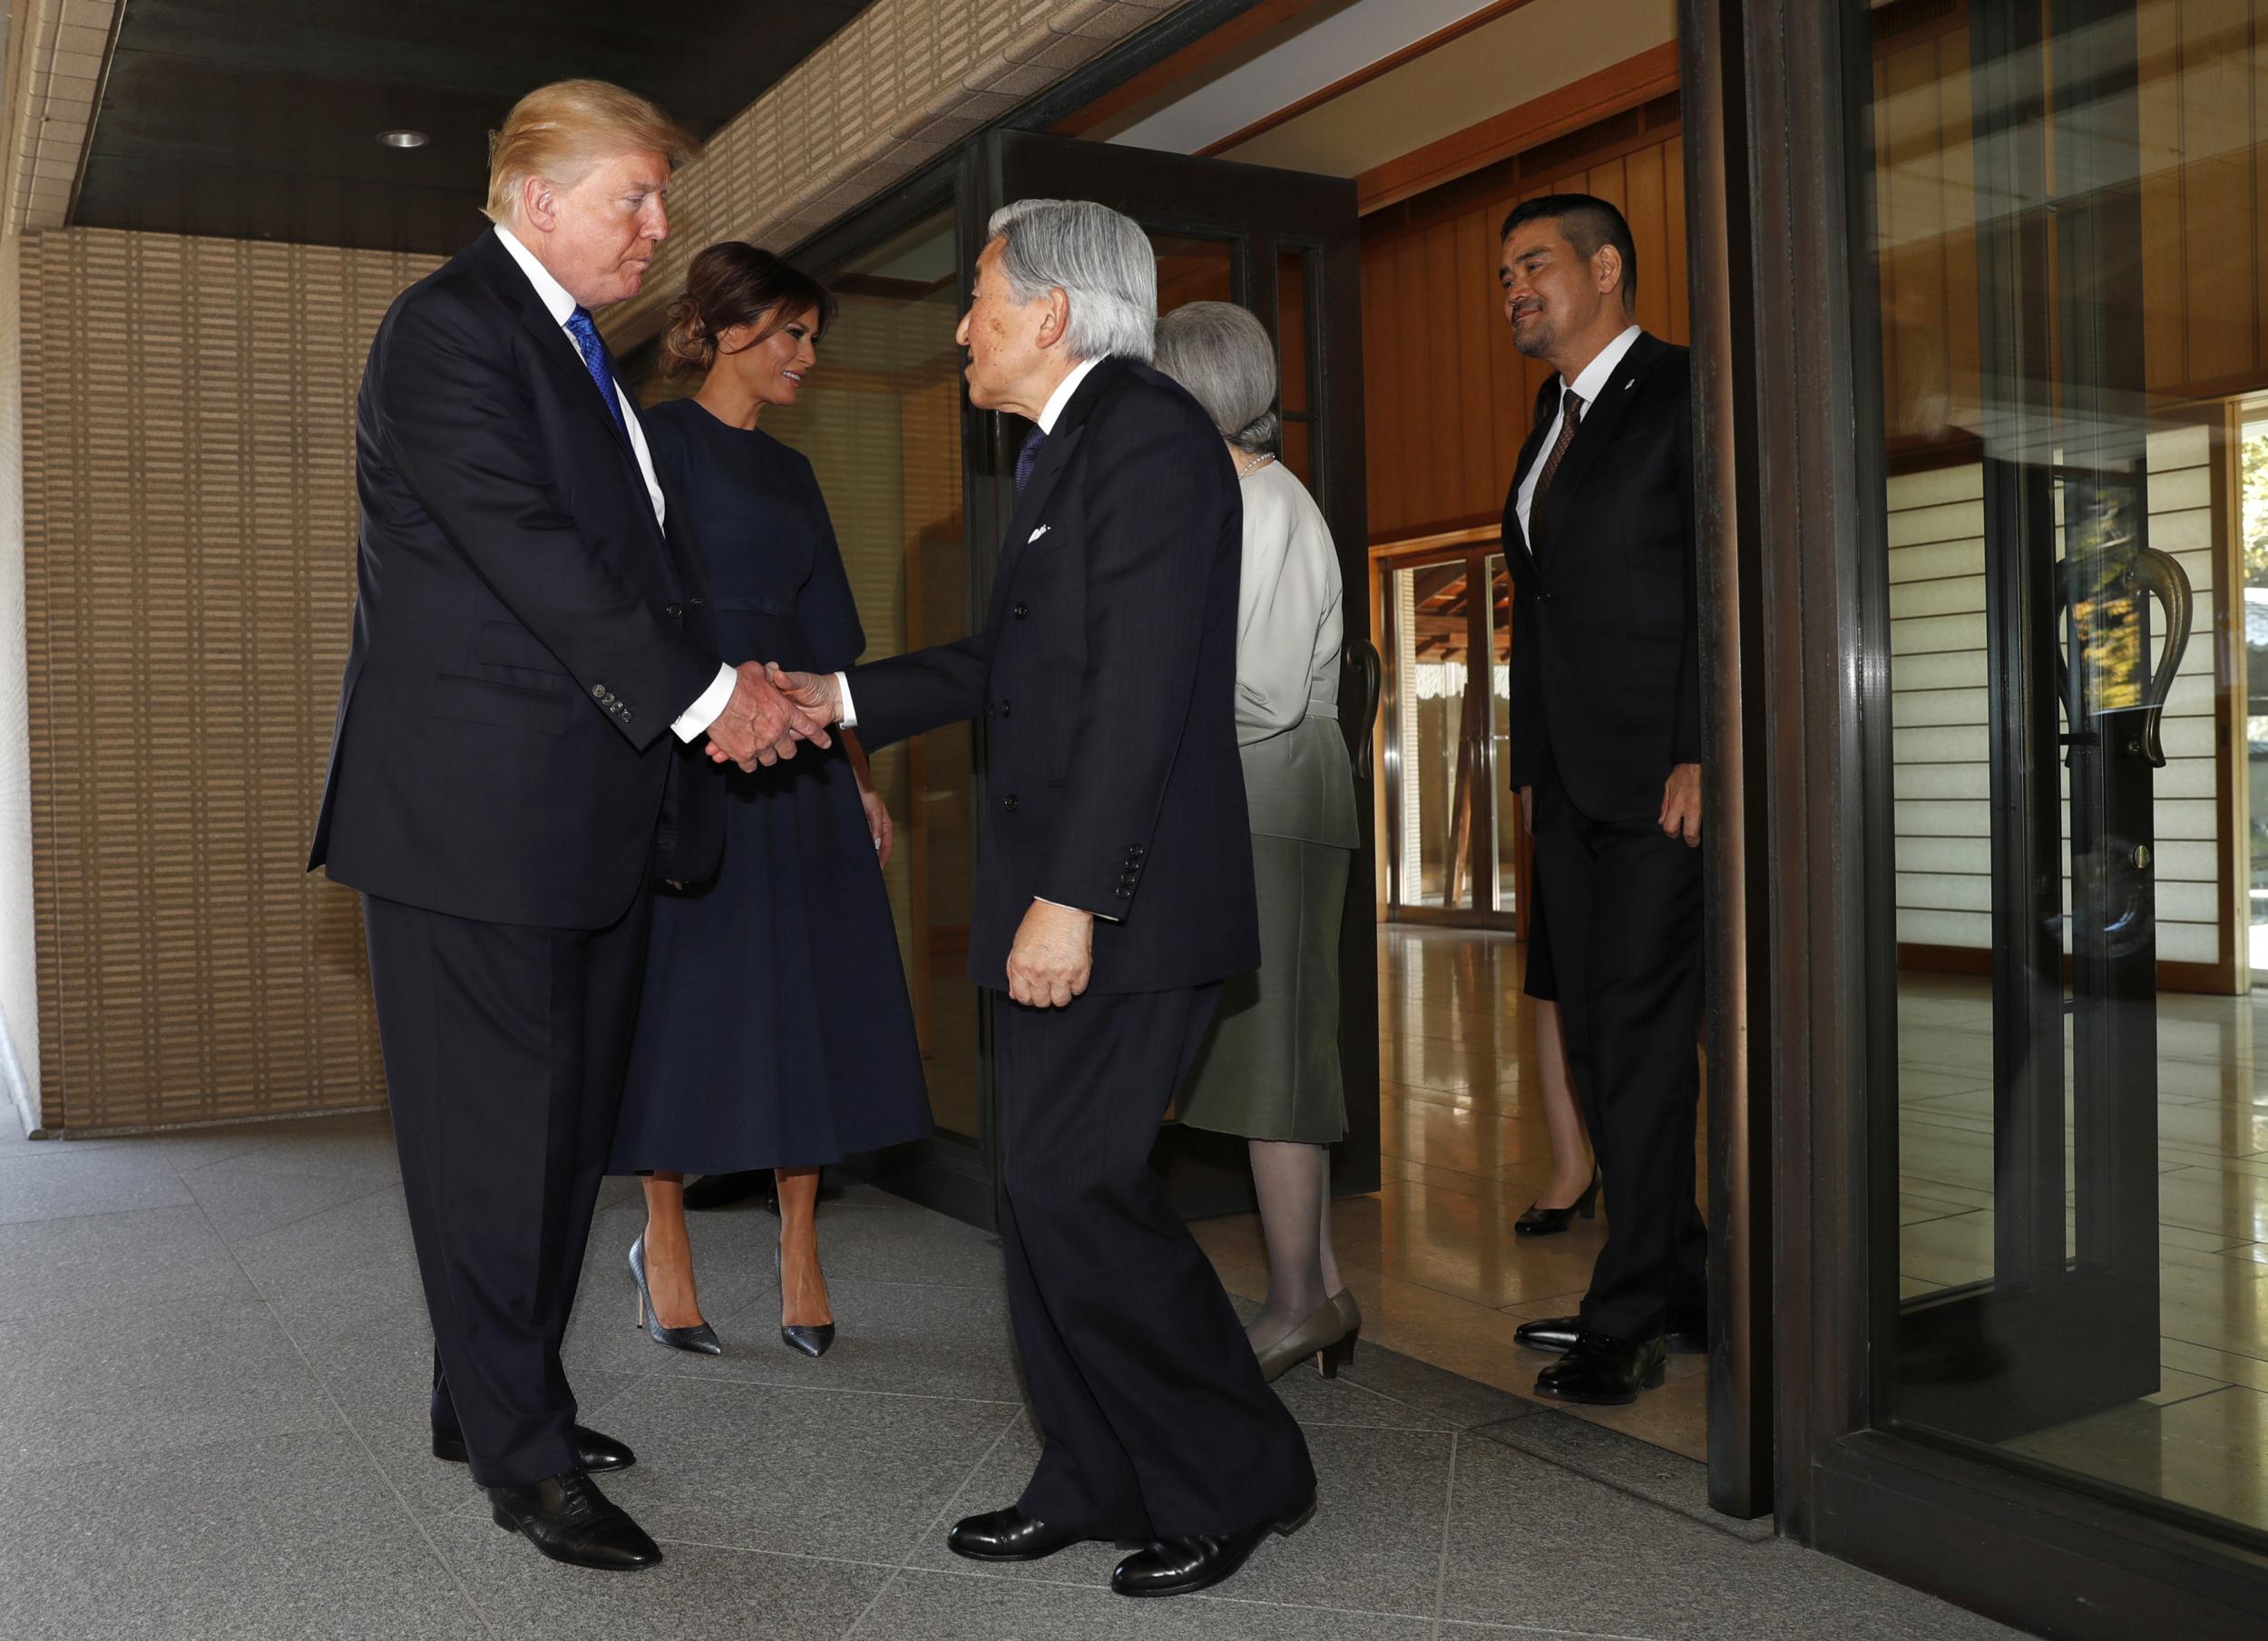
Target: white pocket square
1036 534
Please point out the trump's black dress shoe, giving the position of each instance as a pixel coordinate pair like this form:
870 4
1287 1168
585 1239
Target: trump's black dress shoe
570 1520
1687 1335
1601 1371
593 1451
1196 1561
1007 1534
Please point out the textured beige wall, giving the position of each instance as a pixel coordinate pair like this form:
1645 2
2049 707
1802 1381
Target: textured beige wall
19 982
190 561
904 80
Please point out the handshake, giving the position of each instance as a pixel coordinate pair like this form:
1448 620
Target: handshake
770 711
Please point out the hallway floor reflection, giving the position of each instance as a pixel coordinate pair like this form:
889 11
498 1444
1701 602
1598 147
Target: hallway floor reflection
1433 1256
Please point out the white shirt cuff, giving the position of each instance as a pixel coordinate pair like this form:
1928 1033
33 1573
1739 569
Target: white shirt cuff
694 721
1099 916
849 721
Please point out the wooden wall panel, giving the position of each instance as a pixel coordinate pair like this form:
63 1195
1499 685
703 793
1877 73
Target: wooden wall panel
1448 396
2203 111
189 524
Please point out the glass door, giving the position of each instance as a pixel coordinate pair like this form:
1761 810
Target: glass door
1458 851
2066 1223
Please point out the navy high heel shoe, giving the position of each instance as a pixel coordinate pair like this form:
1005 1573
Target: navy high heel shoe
700 1338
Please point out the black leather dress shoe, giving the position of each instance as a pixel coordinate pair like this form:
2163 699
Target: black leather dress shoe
1007 1534
1183 1566
570 1520
1688 1336
1601 1371
593 1451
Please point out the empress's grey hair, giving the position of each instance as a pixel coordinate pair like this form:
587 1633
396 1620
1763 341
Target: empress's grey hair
1099 260
1222 355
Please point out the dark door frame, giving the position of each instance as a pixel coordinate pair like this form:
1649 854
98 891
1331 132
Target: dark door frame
1791 471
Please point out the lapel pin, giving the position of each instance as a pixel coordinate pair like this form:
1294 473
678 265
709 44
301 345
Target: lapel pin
1036 534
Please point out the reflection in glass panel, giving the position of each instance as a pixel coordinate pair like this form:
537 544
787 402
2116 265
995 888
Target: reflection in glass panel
882 425
1298 451
1430 624
2081 1229
1507 872
1291 306
1191 271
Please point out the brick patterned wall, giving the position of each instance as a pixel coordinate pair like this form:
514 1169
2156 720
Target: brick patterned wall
903 83
19 975
189 571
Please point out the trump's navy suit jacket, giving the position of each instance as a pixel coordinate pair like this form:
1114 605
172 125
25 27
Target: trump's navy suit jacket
1105 676
524 633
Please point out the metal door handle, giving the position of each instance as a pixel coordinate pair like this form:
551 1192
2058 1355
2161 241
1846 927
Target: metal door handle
2161 572
2150 570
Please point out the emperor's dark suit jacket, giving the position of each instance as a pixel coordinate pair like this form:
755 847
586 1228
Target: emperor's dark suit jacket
524 634
1106 673
1606 677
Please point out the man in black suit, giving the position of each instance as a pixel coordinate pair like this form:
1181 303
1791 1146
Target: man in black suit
1606 753
533 669
1114 895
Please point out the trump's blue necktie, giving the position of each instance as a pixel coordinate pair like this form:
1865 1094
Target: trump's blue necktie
1029 458
593 352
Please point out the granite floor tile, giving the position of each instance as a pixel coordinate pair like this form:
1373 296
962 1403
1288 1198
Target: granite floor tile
359 1144
1640 1468
99 1262
1374 1543
243 1540
949 1606
367 1235
244 1201
812 1472
96 1385
699 1590
93 1179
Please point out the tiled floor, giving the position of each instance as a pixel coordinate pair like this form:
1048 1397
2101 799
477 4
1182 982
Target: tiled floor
212 1358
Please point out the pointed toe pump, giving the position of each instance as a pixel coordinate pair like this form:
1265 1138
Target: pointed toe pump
811 1339
700 1338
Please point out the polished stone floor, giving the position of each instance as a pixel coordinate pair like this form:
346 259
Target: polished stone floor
213 1357
1442 1278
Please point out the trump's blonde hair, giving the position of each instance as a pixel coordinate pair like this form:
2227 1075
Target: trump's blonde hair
559 132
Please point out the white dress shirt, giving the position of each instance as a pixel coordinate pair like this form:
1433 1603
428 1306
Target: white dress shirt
1586 387
561 304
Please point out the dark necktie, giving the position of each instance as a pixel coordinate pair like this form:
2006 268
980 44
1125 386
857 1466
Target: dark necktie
1029 458
593 352
1570 417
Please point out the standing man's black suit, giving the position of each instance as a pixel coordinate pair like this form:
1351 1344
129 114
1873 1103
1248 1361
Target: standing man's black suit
504 788
1106 675
1605 701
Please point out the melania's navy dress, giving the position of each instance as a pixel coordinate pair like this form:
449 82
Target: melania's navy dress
775 1029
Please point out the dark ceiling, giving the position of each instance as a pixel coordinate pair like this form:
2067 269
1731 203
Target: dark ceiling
258 119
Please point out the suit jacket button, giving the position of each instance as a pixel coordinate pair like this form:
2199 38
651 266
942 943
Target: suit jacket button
1003 708
1009 803
1022 610
599 690
674 612
1124 893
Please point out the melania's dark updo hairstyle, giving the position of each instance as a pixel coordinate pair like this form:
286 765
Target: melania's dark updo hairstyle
733 283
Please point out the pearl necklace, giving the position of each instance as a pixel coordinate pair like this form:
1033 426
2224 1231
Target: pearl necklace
1245 469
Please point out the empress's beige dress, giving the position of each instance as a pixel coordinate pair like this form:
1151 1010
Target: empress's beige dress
1270 1066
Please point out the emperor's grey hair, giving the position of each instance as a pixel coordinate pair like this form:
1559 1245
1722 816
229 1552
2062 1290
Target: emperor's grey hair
1099 260
1222 355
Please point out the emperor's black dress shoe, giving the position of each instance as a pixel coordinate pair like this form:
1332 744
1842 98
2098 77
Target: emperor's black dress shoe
1196 1561
593 1451
1688 1336
1601 1371
570 1520
1007 1534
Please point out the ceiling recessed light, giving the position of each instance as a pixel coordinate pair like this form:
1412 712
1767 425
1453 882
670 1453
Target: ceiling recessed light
403 138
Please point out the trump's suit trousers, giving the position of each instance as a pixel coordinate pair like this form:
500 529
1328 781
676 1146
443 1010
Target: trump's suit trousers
1154 1417
1624 904
504 1052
